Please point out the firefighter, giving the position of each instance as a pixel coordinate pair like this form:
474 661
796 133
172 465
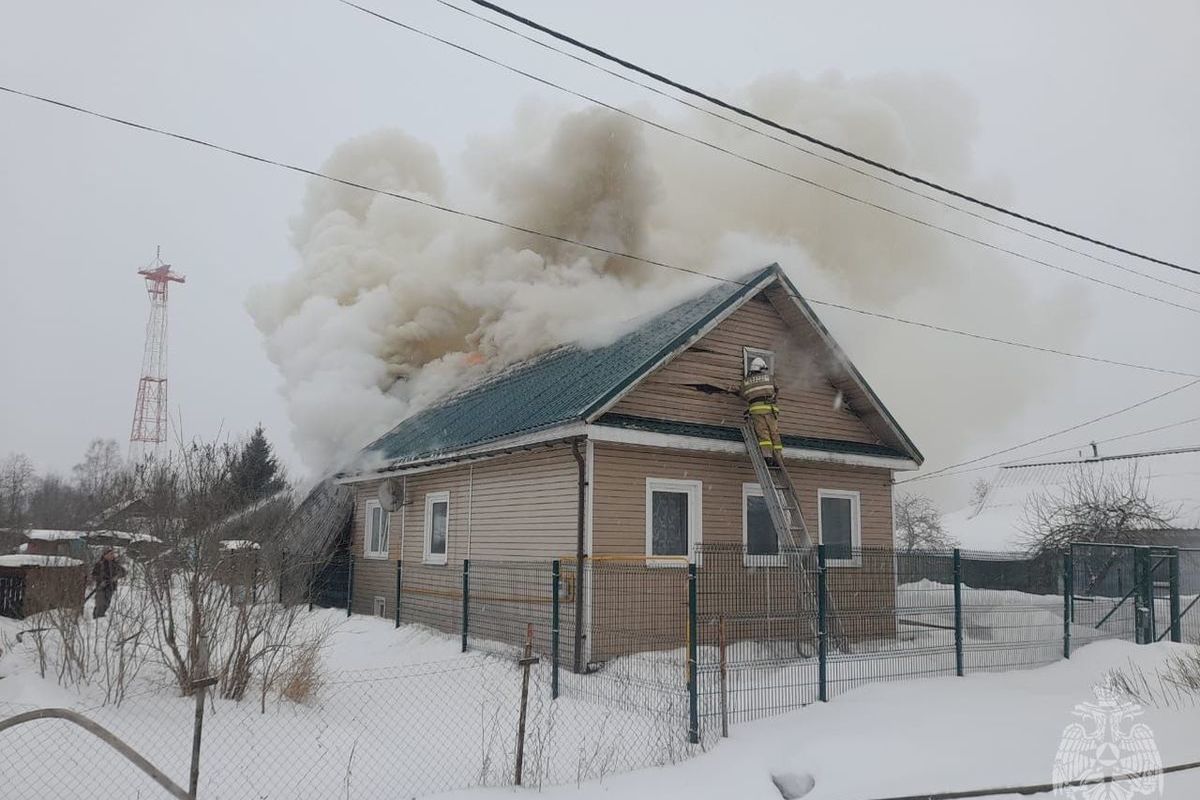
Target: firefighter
759 392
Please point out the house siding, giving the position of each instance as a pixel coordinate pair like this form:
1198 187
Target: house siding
634 608
806 398
513 508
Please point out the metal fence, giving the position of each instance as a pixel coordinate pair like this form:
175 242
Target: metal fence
671 653
732 636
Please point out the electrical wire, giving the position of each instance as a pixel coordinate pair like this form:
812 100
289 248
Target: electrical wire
895 184
778 170
1023 460
941 472
549 236
743 112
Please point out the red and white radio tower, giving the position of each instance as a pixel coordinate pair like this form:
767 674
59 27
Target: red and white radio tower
150 409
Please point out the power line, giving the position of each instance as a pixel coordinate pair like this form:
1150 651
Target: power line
997 340
1109 415
1023 459
811 152
743 112
549 236
780 171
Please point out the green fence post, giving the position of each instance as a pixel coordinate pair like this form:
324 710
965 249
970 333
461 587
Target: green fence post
822 628
555 579
1144 609
692 656
1068 579
350 587
466 601
1176 622
399 572
958 615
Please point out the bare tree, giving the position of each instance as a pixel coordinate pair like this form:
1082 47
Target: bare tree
979 492
919 525
102 476
1094 506
17 479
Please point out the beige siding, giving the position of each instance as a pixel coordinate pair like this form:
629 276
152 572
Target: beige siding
619 524
806 397
520 507
634 608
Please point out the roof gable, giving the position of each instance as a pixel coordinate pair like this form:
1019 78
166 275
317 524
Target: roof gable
567 384
574 383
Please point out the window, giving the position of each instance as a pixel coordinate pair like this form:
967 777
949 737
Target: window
437 526
672 518
750 353
375 544
758 534
839 521
380 607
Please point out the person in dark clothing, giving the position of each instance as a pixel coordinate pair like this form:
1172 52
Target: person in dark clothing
105 574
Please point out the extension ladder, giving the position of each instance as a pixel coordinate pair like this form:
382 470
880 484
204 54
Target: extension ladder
783 506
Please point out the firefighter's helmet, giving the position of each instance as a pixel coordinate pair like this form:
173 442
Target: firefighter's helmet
758 364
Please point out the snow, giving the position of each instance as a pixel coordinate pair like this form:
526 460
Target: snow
25 560
404 713
239 544
44 535
930 735
50 535
1173 480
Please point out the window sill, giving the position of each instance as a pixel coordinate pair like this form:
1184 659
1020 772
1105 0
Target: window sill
843 562
434 561
376 556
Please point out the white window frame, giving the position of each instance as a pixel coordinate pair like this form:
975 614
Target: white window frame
754 490
695 491
429 557
855 499
380 606
748 354
368 552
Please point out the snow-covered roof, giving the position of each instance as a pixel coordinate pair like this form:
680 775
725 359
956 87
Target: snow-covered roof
25 560
47 535
239 544
50 535
125 536
1172 478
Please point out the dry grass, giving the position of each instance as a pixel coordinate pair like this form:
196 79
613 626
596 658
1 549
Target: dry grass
302 678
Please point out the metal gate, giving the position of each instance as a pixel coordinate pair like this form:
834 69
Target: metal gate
1127 592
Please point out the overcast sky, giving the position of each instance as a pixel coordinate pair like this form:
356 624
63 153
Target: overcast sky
1088 111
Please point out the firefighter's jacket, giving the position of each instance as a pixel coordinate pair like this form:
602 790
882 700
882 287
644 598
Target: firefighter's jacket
758 389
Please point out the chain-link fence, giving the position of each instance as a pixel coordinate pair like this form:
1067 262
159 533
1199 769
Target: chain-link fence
670 653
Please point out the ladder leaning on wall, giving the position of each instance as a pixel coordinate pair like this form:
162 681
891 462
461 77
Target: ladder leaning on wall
795 543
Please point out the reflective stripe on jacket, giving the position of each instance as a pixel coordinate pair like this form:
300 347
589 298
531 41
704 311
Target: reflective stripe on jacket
758 386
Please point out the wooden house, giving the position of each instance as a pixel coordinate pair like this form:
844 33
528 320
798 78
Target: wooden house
630 454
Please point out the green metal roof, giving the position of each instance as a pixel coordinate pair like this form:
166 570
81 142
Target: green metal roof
568 384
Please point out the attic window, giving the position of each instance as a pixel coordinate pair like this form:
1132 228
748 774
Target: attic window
750 353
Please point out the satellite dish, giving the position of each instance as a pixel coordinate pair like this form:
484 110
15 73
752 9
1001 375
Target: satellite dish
391 494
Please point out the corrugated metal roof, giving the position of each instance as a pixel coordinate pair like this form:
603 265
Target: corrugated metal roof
567 384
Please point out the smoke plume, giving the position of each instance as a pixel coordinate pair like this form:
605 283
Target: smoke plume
394 305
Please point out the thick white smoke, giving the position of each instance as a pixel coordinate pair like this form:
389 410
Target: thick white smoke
394 305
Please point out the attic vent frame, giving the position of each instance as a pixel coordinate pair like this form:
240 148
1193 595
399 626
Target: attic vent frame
750 353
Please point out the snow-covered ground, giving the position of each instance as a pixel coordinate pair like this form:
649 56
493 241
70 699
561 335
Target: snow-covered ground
404 713
936 734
